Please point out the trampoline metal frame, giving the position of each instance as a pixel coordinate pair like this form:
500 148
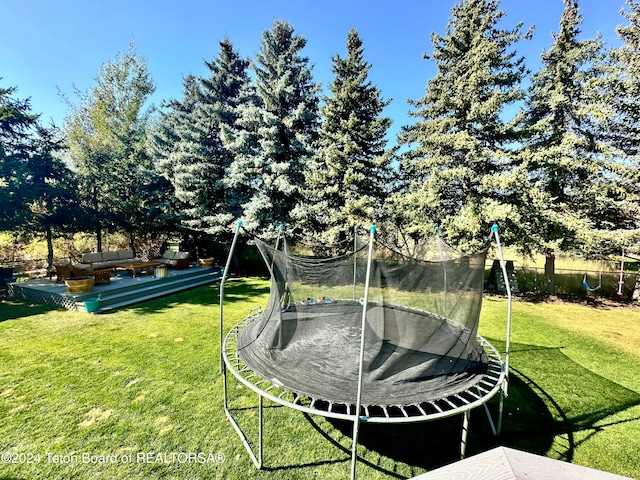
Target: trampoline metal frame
495 380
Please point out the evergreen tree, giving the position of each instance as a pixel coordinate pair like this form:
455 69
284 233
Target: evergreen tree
170 125
274 136
53 205
625 124
200 159
459 171
573 171
626 82
37 190
16 128
348 180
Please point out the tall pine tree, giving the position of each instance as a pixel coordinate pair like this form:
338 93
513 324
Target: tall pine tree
16 147
200 160
459 170
347 183
275 134
626 81
574 197
625 125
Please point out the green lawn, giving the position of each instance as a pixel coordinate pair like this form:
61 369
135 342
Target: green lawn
101 396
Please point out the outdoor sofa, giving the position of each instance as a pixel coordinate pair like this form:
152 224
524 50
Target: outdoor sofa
175 259
102 260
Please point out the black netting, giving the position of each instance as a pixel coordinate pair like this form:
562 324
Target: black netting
421 324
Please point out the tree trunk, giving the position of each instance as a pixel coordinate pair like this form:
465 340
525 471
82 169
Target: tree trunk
636 291
550 273
132 240
98 239
98 226
49 247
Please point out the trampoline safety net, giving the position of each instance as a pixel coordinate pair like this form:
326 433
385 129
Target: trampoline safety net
421 324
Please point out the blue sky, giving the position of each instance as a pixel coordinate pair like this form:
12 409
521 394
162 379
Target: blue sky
49 46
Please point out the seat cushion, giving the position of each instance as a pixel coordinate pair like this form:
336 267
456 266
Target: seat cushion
109 256
92 257
126 254
82 269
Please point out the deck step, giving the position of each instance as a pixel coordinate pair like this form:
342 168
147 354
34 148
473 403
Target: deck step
122 290
148 289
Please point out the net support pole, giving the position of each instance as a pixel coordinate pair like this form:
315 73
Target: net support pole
355 259
225 274
503 267
358 419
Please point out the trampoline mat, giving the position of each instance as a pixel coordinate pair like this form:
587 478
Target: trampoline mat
411 356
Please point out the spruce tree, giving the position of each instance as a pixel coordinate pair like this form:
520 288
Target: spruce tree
274 136
37 189
626 82
459 170
573 169
165 133
625 124
16 146
348 180
200 160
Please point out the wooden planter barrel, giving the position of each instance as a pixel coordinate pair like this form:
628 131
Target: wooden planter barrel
79 284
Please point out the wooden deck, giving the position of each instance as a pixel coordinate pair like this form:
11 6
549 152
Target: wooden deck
123 290
503 463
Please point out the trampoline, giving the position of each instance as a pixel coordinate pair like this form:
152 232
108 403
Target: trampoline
374 335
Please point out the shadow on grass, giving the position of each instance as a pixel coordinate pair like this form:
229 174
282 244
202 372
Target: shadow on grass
12 309
535 418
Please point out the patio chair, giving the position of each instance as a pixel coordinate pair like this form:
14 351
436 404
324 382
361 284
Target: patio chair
66 270
63 271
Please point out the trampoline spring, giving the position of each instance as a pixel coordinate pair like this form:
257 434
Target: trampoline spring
474 395
482 390
366 411
386 412
404 412
450 403
463 400
436 407
421 410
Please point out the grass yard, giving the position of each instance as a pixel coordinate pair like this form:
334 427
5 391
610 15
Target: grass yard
131 394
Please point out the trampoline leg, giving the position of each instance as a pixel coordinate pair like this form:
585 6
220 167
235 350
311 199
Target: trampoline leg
465 431
260 423
490 419
500 408
256 459
354 448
